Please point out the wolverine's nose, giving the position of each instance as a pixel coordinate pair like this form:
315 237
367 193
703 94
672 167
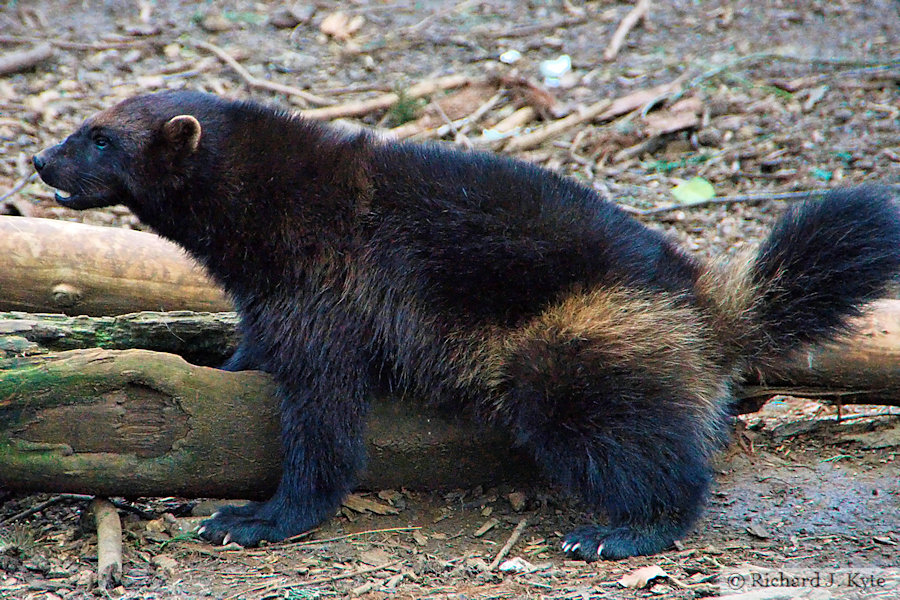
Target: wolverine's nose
39 161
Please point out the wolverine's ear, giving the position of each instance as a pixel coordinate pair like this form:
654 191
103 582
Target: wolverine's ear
183 131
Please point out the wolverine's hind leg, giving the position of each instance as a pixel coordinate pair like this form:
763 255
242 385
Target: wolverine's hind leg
616 395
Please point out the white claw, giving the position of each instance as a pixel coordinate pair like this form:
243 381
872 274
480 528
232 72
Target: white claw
216 514
227 539
599 550
576 547
201 530
565 546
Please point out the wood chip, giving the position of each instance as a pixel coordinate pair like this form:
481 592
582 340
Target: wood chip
488 525
363 505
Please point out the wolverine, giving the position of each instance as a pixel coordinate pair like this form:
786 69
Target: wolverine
480 282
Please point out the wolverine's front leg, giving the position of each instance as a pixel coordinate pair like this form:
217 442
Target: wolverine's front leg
323 386
323 451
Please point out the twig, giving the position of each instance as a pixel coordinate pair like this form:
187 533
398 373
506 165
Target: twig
43 505
20 124
587 163
364 107
18 186
763 56
602 110
513 538
357 89
722 200
529 30
64 45
458 137
386 565
479 112
13 62
262 84
358 534
520 118
631 19
109 543
536 137
438 14
269 589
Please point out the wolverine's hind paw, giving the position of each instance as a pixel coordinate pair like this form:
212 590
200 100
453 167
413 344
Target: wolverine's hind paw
594 542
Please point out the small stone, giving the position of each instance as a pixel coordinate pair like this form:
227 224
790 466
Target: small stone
166 564
516 565
172 51
214 22
517 501
283 18
710 136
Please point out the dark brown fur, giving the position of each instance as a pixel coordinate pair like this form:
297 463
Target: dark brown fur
483 283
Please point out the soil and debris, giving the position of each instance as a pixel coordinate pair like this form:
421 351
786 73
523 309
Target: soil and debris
704 121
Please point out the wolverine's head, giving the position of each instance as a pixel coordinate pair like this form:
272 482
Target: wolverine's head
120 153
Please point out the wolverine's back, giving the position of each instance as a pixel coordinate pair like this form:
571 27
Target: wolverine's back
497 239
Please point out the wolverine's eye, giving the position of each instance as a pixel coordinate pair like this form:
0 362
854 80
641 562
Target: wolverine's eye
101 141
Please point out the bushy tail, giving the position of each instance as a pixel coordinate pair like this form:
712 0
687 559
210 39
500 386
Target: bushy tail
823 262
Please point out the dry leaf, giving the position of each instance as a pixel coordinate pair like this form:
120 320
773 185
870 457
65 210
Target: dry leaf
640 578
534 95
390 496
684 114
375 557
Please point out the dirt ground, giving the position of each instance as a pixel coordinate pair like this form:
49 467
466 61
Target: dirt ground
768 98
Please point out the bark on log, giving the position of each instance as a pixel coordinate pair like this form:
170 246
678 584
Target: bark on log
138 423
201 338
56 266
863 368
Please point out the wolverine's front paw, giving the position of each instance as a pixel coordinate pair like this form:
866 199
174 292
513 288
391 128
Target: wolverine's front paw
246 525
594 542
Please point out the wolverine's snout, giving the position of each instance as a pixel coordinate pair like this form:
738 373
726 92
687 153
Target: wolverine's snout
39 160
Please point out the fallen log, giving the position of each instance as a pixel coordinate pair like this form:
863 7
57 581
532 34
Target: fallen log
57 266
139 423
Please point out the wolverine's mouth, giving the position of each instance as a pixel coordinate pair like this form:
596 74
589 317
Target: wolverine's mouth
75 200
83 199
65 198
